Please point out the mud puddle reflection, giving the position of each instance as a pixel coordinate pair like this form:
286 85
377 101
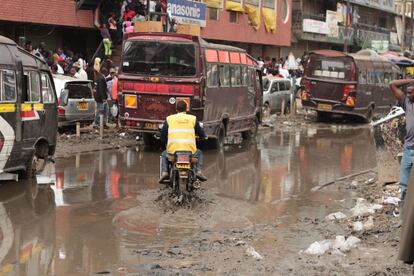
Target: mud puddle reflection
104 215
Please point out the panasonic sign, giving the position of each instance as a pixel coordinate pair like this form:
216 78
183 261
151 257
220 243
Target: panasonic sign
187 12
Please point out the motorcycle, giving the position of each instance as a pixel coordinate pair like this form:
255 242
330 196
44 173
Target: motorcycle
182 174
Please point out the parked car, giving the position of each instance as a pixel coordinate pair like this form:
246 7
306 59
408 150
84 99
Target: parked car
275 90
76 101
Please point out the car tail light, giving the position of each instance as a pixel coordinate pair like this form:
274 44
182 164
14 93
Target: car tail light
131 123
353 72
348 94
120 86
197 90
306 90
1 143
61 110
131 101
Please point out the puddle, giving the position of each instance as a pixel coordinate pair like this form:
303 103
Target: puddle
103 206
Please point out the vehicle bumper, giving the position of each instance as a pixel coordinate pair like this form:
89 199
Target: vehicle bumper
336 107
63 121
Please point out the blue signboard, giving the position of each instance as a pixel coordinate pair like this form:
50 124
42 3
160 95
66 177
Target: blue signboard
187 12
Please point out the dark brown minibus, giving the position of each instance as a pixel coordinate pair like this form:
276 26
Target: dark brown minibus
221 84
348 84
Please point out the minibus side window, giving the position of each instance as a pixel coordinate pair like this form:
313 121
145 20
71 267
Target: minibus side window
212 75
34 86
233 75
238 75
245 78
8 86
47 91
224 73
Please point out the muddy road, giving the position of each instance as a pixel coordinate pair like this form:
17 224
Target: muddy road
106 214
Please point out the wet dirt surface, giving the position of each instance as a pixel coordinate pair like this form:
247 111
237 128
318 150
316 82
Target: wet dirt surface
107 214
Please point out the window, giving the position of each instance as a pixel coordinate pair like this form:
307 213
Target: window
212 75
213 14
282 86
234 17
275 87
34 81
269 4
251 78
233 75
47 91
362 77
252 2
245 76
160 58
238 75
285 11
287 85
8 86
387 77
224 75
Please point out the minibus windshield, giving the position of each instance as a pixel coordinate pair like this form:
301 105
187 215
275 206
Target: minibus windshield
161 58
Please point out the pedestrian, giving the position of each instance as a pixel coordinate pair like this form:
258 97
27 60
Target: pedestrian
80 72
57 65
106 40
113 26
406 101
114 110
406 252
101 95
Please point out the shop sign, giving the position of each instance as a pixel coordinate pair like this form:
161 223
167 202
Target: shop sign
187 12
380 45
315 26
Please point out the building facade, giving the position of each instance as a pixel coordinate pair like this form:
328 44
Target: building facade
320 24
262 27
57 23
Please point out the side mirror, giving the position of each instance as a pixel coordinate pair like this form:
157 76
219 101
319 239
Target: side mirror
64 97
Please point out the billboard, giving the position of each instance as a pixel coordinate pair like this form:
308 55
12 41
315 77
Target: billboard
187 12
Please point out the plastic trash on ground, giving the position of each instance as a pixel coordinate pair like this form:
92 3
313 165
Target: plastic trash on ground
337 246
251 252
358 226
363 208
319 248
392 201
335 216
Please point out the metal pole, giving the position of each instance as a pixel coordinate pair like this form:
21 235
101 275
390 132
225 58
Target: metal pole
412 26
77 129
346 40
101 125
404 2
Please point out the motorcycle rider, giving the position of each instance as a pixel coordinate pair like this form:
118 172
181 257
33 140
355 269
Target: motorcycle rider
181 130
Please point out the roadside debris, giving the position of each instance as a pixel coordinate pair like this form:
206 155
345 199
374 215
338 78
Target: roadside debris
335 216
363 208
392 200
252 252
339 246
323 185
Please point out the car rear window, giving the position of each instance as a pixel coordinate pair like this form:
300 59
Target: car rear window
79 91
329 68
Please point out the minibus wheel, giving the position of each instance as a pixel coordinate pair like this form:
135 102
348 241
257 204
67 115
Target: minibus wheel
252 132
369 116
218 143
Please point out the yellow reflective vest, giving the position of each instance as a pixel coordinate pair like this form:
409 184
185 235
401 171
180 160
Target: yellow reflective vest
181 133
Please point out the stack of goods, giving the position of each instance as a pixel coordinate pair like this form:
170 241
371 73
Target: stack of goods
389 135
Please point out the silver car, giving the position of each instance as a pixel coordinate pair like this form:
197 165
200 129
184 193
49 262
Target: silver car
76 101
275 90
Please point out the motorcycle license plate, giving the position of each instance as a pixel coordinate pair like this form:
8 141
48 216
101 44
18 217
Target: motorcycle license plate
183 159
183 166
